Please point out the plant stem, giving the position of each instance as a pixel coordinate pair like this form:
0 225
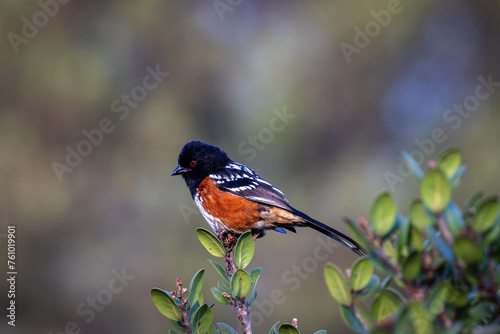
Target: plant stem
185 315
239 305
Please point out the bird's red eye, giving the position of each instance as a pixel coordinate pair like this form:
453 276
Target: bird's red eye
192 163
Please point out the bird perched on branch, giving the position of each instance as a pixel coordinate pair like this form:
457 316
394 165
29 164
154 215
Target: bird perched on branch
233 198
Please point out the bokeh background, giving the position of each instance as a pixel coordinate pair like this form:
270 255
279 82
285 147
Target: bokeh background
353 102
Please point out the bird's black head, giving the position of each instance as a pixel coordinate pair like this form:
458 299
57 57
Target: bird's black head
197 160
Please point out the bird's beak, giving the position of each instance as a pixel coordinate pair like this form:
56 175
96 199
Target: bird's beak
179 170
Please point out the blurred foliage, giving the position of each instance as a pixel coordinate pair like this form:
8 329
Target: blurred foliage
118 208
444 261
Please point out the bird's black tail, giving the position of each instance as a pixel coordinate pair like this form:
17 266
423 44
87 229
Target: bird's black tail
332 233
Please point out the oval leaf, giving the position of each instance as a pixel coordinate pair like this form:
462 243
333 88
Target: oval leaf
454 219
383 214
466 250
220 270
385 304
371 287
435 191
218 295
211 242
412 266
337 284
195 287
361 274
288 329
255 273
414 166
419 216
424 324
244 249
273 329
165 304
486 215
240 284
351 319
202 320
449 162
440 244
226 329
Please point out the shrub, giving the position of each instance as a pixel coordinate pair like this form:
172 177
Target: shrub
435 271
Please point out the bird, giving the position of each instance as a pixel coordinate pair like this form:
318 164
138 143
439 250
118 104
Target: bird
234 198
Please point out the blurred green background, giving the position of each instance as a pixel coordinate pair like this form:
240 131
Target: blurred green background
357 81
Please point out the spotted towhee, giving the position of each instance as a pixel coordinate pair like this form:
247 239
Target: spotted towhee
234 198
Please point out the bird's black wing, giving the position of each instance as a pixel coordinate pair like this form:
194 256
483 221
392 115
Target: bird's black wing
240 180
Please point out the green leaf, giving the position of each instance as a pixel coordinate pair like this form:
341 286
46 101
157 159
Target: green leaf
386 282
224 287
361 274
211 242
454 219
195 287
202 320
416 240
474 201
449 162
244 249
179 326
438 297
226 329
351 319
218 295
337 284
386 303
288 329
420 318
435 190
371 287
455 179
255 274
486 215
355 233
383 214
412 266
390 250
493 235
440 244
413 165
466 250
220 270
274 329
254 295
165 304
240 284
419 216
403 237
